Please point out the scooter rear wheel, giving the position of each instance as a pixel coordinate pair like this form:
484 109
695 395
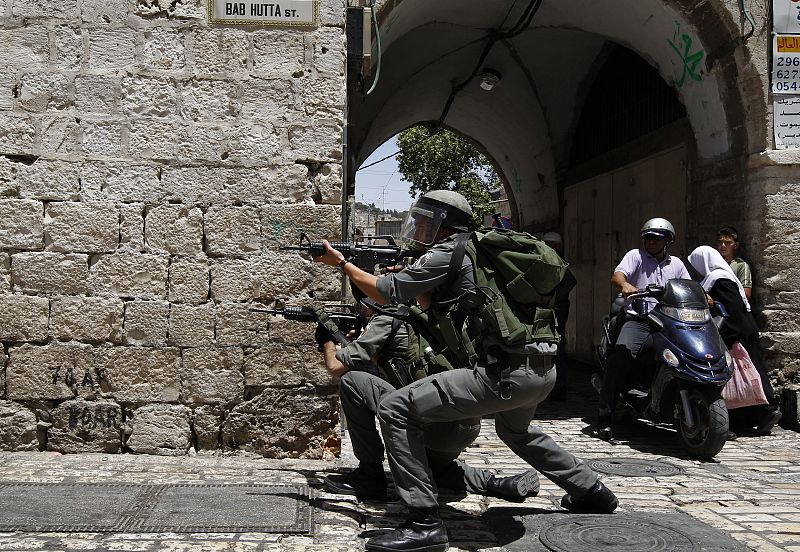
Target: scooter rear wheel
710 431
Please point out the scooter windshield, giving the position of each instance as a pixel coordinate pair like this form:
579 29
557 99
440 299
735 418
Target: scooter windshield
684 294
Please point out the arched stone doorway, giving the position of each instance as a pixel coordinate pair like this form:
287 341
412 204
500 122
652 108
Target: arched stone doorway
548 55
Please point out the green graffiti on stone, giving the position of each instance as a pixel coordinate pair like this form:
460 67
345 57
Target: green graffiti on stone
681 43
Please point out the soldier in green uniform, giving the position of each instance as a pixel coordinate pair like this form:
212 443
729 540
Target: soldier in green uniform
384 346
433 222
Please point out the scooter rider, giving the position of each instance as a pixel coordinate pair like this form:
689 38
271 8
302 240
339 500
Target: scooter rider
649 264
432 222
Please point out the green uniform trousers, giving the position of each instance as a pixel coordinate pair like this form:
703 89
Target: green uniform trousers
462 393
361 394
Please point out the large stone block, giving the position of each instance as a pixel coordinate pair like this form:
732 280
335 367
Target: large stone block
175 229
177 9
219 50
21 224
60 134
781 231
146 323
162 429
129 275
17 428
271 277
151 138
780 342
786 280
126 183
52 372
50 273
207 426
329 51
332 12
140 375
8 177
16 133
328 181
209 100
318 142
104 11
283 223
212 375
101 138
91 227
148 96
267 99
111 48
91 319
282 424
237 326
188 281
782 320
280 184
261 142
194 186
163 49
287 365
321 97
40 92
23 317
25 46
191 326
62 9
279 53
49 180
202 141
131 226
68 42
233 231
85 426
96 94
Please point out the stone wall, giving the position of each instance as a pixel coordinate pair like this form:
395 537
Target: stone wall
150 167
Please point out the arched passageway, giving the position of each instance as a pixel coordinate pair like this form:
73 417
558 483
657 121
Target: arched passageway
604 114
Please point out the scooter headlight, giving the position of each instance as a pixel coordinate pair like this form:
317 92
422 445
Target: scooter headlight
670 358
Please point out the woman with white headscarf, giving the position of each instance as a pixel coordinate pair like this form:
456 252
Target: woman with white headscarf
721 284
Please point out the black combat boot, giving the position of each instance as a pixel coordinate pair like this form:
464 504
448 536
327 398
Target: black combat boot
515 488
366 482
420 533
599 500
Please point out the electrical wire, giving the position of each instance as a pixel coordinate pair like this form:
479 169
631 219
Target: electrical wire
749 17
378 43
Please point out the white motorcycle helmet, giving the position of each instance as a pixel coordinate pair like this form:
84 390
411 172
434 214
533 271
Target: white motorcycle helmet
659 227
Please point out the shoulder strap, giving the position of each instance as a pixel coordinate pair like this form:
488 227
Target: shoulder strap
457 259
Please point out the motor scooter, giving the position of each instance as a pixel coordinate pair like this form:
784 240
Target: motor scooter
683 379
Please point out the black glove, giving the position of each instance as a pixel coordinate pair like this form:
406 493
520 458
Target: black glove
322 335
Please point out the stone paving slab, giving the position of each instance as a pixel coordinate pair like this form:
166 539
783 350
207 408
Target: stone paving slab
750 493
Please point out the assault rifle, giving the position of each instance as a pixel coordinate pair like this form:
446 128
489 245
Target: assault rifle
367 252
338 322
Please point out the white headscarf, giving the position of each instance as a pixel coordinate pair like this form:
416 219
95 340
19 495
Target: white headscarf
708 262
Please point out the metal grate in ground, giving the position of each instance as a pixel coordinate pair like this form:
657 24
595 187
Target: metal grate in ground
180 508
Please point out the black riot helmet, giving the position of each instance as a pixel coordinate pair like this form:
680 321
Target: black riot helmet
434 210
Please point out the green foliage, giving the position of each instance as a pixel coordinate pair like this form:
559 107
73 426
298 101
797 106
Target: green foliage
446 161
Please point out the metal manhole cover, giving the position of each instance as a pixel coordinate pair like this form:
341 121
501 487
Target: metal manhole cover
182 508
593 533
633 467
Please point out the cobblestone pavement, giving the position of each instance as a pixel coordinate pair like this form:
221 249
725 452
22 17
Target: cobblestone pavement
751 493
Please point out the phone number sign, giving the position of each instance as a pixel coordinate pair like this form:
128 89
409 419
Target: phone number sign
267 14
786 64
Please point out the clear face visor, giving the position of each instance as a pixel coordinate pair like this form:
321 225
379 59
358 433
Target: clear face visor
422 223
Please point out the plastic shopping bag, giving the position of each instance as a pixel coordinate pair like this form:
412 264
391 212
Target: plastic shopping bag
744 388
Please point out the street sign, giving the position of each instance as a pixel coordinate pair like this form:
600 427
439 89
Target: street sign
786 64
266 14
787 121
786 16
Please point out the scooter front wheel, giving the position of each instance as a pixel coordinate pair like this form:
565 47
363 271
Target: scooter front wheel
710 431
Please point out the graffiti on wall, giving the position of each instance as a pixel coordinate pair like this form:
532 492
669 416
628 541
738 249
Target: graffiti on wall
688 64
